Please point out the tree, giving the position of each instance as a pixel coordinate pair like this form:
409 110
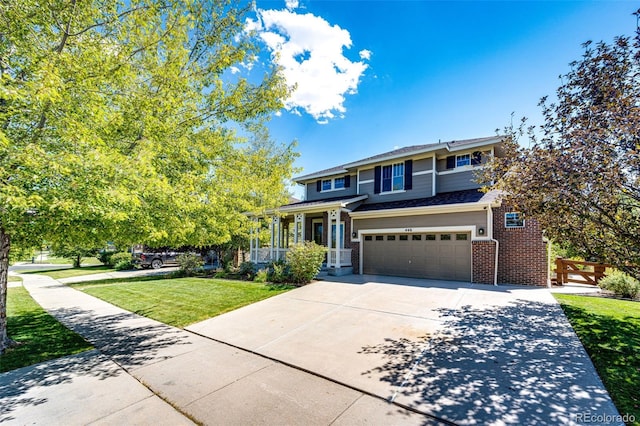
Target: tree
124 121
580 175
74 253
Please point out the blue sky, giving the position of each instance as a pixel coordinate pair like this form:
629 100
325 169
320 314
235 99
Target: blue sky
375 75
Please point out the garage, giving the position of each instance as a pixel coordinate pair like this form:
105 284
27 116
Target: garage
445 256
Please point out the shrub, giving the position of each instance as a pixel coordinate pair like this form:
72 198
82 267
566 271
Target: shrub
305 260
247 270
262 276
279 272
121 261
104 256
621 284
189 263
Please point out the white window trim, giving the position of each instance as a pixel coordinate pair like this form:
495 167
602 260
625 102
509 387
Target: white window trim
514 227
333 184
397 191
464 165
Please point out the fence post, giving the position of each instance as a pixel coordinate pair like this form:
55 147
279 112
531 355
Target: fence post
599 272
559 271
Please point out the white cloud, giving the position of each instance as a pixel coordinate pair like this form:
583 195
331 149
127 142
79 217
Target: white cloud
310 51
291 4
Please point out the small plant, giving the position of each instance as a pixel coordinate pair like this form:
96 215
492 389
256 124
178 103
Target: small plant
305 261
262 276
122 261
189 263
247 270
279 272
104 256
621 284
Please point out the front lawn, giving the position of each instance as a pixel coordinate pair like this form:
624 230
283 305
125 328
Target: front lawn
41 336
610 332
13 279
72 272
179 301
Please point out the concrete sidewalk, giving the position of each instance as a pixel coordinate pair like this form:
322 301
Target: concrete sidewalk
142 369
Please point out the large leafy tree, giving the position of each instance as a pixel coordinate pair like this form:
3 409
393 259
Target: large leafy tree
580 174
119 121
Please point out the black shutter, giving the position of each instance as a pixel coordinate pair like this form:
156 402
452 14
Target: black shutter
377 172
451 162
319 186
476 158
408 174
347 181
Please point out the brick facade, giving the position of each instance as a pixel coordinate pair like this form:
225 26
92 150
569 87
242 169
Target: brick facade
523 253
484 259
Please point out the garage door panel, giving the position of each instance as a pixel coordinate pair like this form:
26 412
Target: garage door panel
422 256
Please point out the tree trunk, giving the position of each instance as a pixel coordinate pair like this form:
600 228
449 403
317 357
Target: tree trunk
77 261
5 244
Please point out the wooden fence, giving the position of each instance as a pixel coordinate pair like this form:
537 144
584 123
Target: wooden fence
569 271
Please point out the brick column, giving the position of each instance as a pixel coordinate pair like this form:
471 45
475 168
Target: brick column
484 261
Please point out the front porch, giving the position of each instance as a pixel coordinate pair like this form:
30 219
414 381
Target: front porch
330 228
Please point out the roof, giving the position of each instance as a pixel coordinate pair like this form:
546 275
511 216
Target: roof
450 146
444 198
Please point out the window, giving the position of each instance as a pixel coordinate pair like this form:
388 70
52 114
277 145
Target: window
368 238
326 185
461 237
393 177
463 160
391 237
379 237
338 183
430 237
404 237
445 237
415 237
513 220
334 243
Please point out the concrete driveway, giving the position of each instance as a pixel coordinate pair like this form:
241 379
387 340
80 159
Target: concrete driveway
465 353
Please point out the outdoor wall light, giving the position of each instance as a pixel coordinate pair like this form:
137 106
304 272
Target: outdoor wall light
354 234
481 231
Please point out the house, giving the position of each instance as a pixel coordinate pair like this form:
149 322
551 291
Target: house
415 212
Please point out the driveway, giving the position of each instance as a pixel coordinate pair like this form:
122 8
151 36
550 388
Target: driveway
466 353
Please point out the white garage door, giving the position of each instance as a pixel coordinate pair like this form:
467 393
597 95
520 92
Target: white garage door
445 256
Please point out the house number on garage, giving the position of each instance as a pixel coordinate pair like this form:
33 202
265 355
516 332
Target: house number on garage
408 229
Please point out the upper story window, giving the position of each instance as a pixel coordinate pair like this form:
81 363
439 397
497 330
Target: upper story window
393 177
333 184
513 220
463 160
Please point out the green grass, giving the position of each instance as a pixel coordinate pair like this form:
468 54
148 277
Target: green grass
86 261
41 336
72 272
610 332
179 301
11 278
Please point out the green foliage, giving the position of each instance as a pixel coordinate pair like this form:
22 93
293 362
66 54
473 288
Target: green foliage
305 260
247 270
580 174
122 261
104 256
117 124
609 329
262 276
189 263
621 284
279 272
74 253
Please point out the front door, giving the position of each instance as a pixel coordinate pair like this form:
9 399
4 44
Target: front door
317 231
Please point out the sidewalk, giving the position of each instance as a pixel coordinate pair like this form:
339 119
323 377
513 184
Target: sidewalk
142 369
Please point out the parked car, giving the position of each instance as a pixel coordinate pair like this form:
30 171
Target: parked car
155 260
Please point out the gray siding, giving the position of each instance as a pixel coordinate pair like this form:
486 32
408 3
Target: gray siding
478 219
456 182
366 174
422 164
313 195
422 187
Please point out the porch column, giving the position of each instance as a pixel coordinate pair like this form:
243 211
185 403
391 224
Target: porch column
298 228
277 237
334 216
257 226
271 233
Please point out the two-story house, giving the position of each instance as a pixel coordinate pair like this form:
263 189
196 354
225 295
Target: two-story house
415 212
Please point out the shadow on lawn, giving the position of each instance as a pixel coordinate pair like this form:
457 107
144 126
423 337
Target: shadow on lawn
515 364
128 339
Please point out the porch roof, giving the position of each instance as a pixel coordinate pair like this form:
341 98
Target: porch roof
322 205
443 199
